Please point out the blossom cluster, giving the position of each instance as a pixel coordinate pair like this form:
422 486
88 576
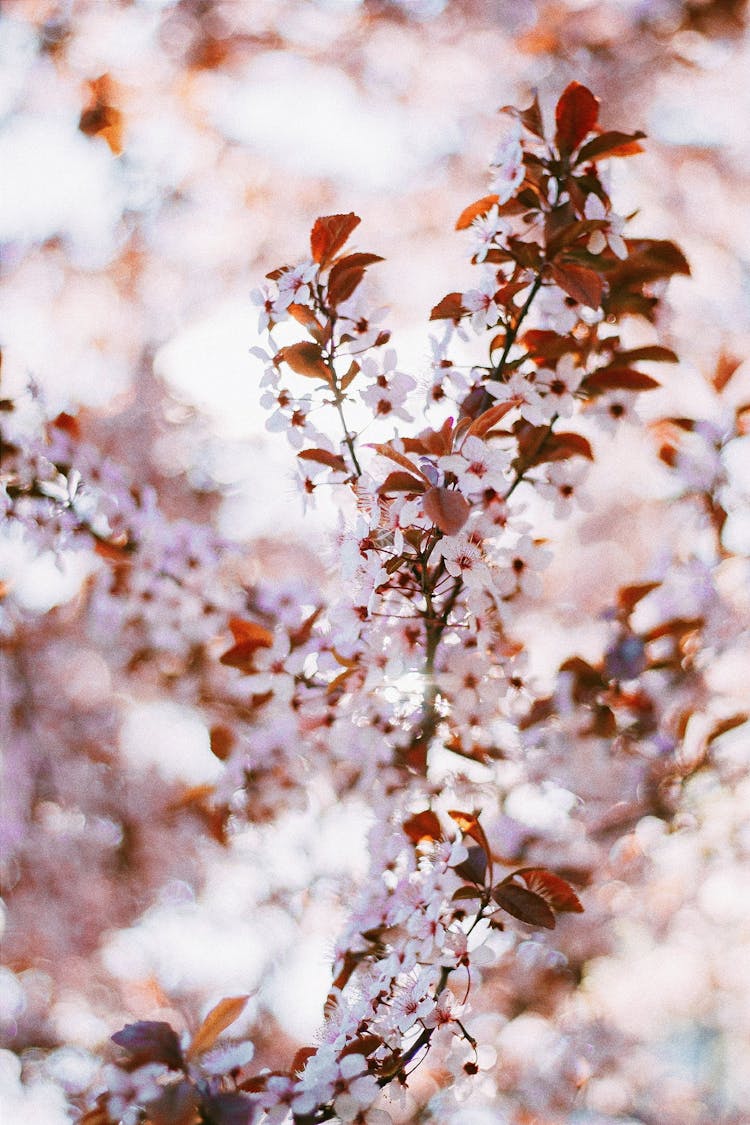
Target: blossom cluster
420 654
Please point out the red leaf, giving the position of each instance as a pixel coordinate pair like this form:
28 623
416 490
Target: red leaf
301 1058
474 867
329 234
346 275
582 284
531 118
447 508
362 1045
726 366
629 596
423 826
324 457
474 210
450 308
619 379
401 482
655 353
558 447
248 637
470 826
481 425
576 115
218 1019
611 144
150 1041
524 905
227 1109
394 455
177 1105
306 317
554 890
306 359
726 725
222 740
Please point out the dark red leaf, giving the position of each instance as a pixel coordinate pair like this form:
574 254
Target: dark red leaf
655 353
619 379
306 359
450 308
610 143
531 118
401 482
474 867
228 1109
524 905
324 457
554 890
346 275
576 115
582 284
447 508
362 1045
150 1041
629 596
559 447
329 234
176 1105
423 826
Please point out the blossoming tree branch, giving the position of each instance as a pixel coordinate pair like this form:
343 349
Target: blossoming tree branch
411 687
